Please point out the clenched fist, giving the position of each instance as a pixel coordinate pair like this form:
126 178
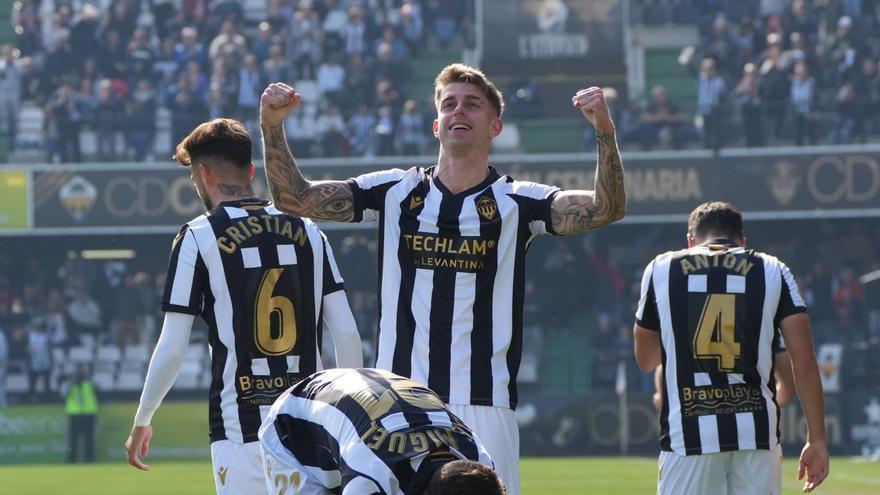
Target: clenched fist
591 102
276 103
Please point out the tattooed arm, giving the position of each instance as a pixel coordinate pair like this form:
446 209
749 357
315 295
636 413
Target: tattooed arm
573 212
291 192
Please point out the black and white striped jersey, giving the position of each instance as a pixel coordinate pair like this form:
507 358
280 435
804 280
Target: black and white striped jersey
452 278
257 277
364 430
717 308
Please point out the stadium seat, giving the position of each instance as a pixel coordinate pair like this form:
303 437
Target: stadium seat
104 381
136 354
109 354
17 382
308 90
130 380
81 354
509 139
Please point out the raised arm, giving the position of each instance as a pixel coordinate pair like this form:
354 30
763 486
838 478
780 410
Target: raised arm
293 193
578 211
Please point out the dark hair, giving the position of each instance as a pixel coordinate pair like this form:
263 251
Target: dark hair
715 218
465 477
455 73
224 139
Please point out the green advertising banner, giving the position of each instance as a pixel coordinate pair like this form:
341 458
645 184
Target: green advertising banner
13 199
38 434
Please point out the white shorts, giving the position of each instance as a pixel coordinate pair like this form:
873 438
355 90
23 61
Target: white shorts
237 468
497 429
742 472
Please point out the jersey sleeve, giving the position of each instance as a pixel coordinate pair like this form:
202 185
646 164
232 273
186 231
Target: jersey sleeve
646 314
187 276
369 190
333 281
790 300
535 205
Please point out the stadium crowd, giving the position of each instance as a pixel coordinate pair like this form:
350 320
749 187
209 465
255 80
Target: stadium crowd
117 68
73 302
769 72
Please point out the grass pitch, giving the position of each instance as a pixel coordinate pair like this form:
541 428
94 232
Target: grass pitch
540 476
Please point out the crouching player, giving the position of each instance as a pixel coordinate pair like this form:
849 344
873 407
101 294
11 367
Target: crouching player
369 431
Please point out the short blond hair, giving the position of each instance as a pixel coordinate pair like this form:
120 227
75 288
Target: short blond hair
461 73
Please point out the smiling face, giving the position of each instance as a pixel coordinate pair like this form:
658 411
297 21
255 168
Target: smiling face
465 117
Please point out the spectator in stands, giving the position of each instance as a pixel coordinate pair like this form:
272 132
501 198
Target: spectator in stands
333 27
4 365
867 88
140 122
186 113
411 136
39 348
362 132
249 88
799 19
331 78
774 85
748 98
847 293
277 67
332 132
10 94
304 41
384 131
354 32
803 97
266 39
525 100
411 26
851 116
841 50
711 94
62 122
662 121
84 315
303 131
446 16
228 41
106 114
190 48
721 47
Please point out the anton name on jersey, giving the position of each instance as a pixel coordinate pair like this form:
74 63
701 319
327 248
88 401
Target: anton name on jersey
697 262
464 254
378 438
733 398
247 228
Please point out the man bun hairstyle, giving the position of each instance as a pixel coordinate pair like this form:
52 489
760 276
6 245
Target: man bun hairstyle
461 73
715 218
221 139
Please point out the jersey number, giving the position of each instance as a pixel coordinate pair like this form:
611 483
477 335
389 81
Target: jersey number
268 308
716 332
282 482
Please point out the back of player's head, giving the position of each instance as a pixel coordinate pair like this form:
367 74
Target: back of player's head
715 219
461 73
221 142
465 477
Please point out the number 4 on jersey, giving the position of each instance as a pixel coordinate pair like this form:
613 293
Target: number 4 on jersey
716 332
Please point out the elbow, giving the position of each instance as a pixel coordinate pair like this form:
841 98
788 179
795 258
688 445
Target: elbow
646 363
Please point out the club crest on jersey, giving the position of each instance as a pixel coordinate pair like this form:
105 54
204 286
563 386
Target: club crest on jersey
415 202
487 207
221 473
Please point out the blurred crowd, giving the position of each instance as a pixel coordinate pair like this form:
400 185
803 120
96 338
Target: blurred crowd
768 72
580 292
119 69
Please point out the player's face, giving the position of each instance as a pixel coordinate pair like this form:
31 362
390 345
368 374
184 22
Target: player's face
197 176
465 117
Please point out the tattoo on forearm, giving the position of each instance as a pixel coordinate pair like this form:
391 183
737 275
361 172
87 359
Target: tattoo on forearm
610 191
328 200
236 190
580 211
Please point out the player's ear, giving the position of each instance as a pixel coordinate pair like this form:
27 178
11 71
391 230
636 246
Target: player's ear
691 241
496 127
251 172
742 241
436 128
